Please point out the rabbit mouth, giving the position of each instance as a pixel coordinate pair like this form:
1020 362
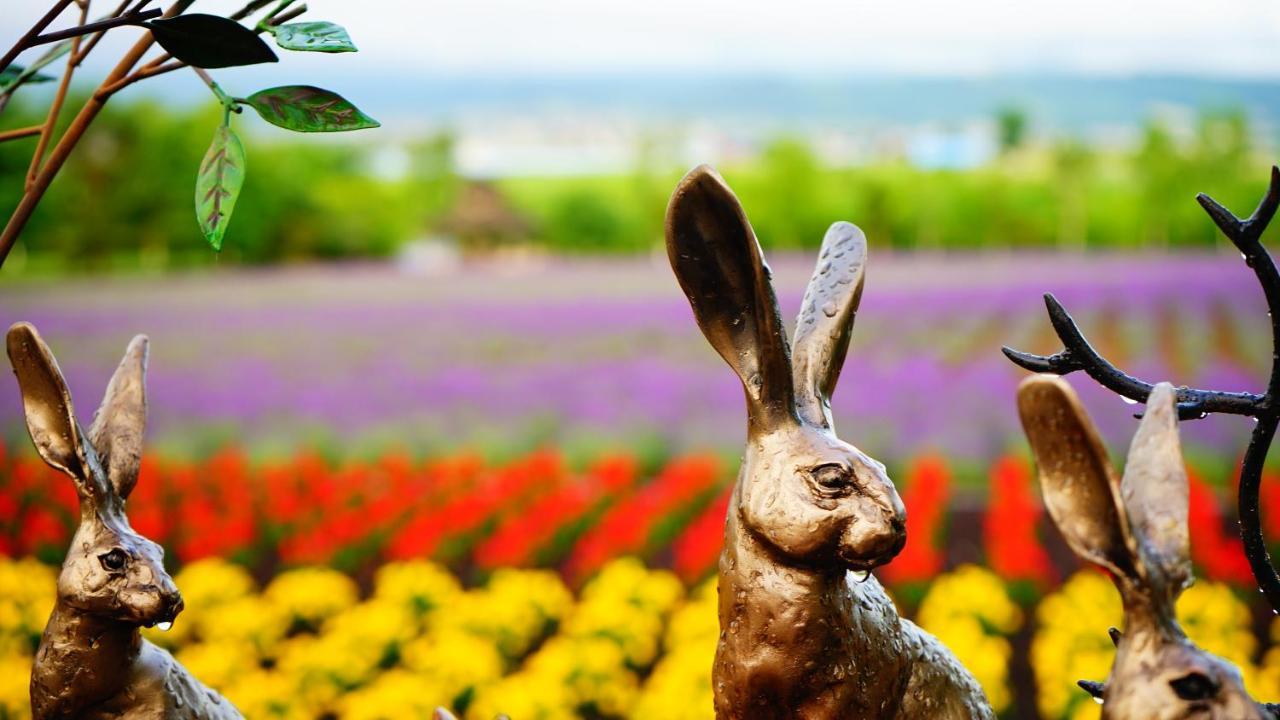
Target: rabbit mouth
164 619
870 553
163 622
857 563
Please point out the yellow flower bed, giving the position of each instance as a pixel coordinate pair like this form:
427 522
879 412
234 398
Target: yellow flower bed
970 611
632 645
1071 641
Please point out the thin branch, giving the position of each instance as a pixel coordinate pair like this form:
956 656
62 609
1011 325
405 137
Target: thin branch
93 27
27 205
46 134
218 92
18 133
208 80
41 24
93 41
63 47
285 17
143 73
279 8
120 76
250 8
1246 235
1080 355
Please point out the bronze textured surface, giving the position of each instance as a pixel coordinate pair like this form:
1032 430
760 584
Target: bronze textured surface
1135 527
805 631
92 662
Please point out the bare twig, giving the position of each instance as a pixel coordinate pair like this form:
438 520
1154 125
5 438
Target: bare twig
93 41
227 101
143 73
18 133
41 24
46 134
121 76
95 27
1080 355
59 49
250 8
285 17
27 205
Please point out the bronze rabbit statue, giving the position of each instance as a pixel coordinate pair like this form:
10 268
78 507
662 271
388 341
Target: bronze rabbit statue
1135 528
805 630
92 662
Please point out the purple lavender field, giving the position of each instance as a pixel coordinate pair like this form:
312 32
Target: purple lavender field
502 354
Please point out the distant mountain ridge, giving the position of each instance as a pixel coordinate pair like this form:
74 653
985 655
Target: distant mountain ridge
1058 103
752 104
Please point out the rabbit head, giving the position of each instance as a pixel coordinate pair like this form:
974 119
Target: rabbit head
1135 528
808 495
110 571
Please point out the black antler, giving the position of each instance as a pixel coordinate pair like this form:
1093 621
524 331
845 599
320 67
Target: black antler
1077 354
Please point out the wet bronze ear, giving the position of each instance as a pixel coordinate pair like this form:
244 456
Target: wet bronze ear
50 415
1155 494
826 321
121 420
1076 477
721 269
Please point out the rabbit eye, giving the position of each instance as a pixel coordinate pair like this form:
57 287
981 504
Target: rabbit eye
1194 686
832 476
113 560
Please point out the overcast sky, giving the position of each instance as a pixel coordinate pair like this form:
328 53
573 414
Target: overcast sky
975 37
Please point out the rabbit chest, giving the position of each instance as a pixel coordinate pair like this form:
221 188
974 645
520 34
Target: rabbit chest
801 644
158 688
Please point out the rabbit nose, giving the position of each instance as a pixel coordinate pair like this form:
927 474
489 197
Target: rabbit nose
173 604
899 525
873 543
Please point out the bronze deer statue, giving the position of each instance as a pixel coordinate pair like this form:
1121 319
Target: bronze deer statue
805 630
1135 528
1078 354
1188 404
92 663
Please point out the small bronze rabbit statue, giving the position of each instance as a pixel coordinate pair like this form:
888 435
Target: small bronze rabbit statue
805 631
93 663
1135 528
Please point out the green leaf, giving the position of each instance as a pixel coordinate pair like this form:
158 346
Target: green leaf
25 75
218 185
304 108
13 72
209 41
314 37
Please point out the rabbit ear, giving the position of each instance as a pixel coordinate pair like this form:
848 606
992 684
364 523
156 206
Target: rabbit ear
51 418
1155 494
1076 477
826 319
718 262
121 420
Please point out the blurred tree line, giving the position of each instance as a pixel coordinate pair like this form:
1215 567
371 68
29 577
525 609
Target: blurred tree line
125 199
